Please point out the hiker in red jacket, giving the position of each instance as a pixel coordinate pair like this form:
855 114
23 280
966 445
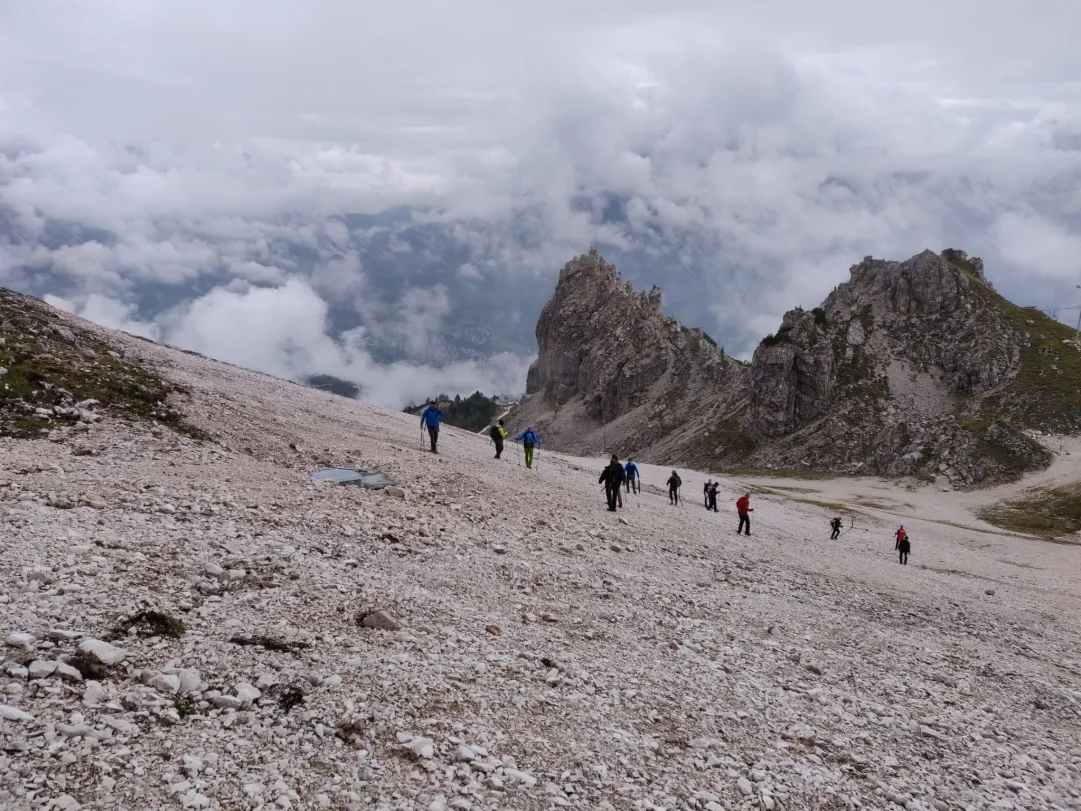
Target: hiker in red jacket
901 535
744 508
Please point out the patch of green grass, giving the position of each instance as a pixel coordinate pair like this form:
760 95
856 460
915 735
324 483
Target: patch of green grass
787 473
40 357
832 506
709 340
152 623
729 438
1050 512
783 335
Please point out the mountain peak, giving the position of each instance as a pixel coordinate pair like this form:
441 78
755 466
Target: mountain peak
916 367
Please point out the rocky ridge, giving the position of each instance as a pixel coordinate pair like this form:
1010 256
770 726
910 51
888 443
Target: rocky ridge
191 621
916 368
612 370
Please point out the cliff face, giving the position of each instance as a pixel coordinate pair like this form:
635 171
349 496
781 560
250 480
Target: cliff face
908 368
613 373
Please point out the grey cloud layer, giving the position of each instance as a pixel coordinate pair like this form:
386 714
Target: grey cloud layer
310 187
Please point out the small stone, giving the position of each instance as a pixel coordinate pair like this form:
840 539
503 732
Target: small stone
380 620
253 789
228 703
990 592
20 640
168 683
422 748
623 521
524 779
104 652
190 680
247 693
68 673
499 550
397 492
94 694
14 713
813 668
214 570
494 630
333 682
41 669
744 786
465 754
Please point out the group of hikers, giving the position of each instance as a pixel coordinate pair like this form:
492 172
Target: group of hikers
616 477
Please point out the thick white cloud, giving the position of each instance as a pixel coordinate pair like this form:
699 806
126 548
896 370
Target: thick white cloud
755 150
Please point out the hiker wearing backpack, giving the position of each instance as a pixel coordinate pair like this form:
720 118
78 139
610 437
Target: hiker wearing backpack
430 417
835 525
631 475
899 536
674 483
711 497
529 440
705 492
498 433
744 508
612 477
904 546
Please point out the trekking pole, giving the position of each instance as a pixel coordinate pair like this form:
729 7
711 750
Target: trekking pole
519 453
536 459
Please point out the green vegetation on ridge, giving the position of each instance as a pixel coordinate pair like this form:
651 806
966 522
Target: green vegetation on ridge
473 413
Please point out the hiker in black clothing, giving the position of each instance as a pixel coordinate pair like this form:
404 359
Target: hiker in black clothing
903 548
498 433
612 478
674 483
705 492
711 501
835 525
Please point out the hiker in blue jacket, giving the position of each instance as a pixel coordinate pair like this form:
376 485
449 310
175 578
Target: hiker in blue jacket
529 440
631 475
430 417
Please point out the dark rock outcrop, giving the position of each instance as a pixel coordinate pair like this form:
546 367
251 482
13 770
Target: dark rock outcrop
611 365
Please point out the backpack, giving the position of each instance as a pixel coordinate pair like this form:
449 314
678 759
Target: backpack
529 440
494 432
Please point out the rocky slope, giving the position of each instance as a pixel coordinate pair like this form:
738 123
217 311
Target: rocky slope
909 368
190 621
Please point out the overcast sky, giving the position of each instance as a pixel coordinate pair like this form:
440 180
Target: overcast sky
761 147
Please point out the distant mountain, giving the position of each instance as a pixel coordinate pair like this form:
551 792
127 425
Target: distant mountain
909 368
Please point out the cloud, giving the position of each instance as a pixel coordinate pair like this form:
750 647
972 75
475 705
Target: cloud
317 185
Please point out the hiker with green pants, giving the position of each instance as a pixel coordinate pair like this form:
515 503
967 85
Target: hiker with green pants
529 440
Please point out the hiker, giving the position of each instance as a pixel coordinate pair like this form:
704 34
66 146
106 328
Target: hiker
631 474
744 508
900 535
498 434
529 440
835 525
430 417
705 492
903 548
711 498
612 478
674 483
